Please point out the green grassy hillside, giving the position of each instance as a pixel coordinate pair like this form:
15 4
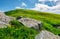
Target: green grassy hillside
17 31
50 22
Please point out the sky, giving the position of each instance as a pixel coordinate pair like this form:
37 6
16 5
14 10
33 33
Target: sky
39 5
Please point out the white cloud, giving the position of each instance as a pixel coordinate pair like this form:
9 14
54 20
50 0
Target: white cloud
49 0
42 0
23 4
1 11
40 7
17 7
46 8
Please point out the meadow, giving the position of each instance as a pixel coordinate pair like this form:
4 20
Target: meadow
17 30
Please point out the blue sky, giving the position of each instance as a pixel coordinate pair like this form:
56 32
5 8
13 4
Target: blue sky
11 4
41 5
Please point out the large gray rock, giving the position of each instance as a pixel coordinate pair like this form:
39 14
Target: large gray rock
31 23
4 20
46 35
3 24
58 27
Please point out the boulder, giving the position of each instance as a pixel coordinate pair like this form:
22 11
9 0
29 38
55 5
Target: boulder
31 23
4 20
58 27
46 35
3 24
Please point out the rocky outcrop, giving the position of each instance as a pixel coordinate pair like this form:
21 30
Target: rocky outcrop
46 35
3 24
58 27
4 20
31 23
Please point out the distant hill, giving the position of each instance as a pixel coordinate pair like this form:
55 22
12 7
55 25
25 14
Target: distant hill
50 21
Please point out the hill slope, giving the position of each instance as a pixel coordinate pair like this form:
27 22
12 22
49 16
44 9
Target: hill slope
50 21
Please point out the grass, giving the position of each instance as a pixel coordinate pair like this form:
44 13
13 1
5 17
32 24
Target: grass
18 31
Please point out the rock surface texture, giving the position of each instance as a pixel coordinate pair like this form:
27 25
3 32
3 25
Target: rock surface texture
46 35
31 23
4 20
58 27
